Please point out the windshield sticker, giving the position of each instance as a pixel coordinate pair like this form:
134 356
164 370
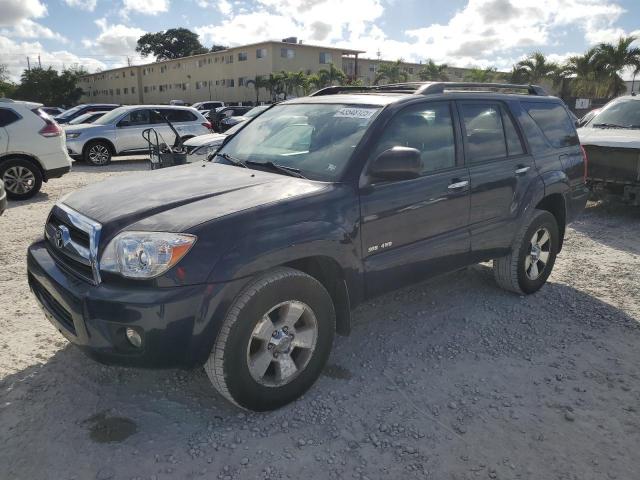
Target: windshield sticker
331 167
348 112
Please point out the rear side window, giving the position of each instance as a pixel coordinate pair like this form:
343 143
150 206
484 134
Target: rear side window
484 133
555 123
427 128
180 116
7 117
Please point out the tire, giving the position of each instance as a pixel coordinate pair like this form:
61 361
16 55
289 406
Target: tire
22 178
97 153
525 270
247 337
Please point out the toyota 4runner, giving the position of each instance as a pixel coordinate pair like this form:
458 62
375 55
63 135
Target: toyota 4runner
249 263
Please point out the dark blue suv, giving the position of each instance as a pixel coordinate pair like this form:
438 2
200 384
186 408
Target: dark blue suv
249 262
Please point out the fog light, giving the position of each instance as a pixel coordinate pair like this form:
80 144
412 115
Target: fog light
134 337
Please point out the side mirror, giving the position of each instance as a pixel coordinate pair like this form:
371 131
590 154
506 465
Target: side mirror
397 163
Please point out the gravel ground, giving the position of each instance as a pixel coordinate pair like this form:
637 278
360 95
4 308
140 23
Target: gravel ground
449 379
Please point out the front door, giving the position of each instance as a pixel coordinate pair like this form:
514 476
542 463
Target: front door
501 171
129 131
414 228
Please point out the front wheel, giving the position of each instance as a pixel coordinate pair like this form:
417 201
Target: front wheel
274 342
532 257
22 178
97 154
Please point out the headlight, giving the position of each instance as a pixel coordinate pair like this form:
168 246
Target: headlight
207 150
73 134
145 254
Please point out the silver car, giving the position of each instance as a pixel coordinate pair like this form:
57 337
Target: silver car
119 132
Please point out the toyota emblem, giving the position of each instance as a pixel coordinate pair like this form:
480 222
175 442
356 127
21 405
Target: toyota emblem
61 236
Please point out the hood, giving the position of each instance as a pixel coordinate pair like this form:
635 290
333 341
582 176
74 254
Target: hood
610 137
178 198
205 139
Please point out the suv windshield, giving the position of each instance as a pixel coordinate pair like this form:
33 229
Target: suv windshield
316 139
110 116
71 111
623 113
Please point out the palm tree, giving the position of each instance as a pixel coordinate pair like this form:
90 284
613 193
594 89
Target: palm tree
331 76
434 72
392 72
258 82
584 75
481 75
274 85
534 68
613 58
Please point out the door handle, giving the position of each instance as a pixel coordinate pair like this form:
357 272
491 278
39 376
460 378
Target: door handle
459 185
522 170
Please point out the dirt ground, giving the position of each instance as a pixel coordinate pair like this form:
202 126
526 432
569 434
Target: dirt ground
449 379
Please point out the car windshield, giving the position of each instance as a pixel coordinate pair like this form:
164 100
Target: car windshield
255 111
315 139
623 113
71 111
110 116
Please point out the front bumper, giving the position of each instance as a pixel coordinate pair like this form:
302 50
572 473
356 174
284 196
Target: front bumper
177 324
56 172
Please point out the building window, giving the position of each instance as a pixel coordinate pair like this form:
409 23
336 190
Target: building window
111 92
287 53
209 60
242 56
229 59
133 90
202 62
325 58
132 73
242 81
261 53
117 91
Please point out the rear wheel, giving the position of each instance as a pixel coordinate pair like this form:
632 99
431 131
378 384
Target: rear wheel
22 178
532 256
274 341
97 153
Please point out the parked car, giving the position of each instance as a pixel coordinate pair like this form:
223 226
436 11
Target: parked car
210 105
250 263
32 148
215 117
3 198
228 122
52 111
68 115
586 118
203 146
119 132
86 118
611 139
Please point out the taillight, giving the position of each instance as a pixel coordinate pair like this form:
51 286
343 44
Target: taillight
207 125
51 128
585 160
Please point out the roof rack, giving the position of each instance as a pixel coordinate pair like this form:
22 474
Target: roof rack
430 88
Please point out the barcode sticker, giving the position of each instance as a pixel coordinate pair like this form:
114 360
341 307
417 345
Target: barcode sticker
348 112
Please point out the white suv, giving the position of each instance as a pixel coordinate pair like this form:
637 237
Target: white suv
32 148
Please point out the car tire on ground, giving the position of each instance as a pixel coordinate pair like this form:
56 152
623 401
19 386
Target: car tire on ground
274 341
97 153
22 178
532 256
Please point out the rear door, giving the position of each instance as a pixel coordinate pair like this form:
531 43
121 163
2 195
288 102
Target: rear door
414 228
501 172
129 131
7 117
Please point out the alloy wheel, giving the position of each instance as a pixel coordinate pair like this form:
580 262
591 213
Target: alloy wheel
537 259
99 154
19 180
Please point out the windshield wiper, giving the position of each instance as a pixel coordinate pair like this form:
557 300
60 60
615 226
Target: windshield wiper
608 125
292 172
232 160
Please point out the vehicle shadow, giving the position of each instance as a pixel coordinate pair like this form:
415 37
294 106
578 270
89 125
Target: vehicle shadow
37 198
117 165
599 218
410 352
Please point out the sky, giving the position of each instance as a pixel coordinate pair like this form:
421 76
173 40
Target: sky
100 34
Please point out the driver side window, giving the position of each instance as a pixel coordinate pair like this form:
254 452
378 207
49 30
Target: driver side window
427 128
136 118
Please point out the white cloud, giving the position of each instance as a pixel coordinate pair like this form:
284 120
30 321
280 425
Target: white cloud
88 5
16 61
145 7
116 42
29 29
14 11
225 7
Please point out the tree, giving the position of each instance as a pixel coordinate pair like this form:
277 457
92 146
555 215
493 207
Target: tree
258 82
331 76
611 59
47 86
534 68
584 75
218 48
434 72
6 86
392 72
311 82
170 44
481 75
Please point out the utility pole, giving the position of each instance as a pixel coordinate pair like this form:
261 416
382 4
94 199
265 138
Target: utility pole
128 61
39 62
28 64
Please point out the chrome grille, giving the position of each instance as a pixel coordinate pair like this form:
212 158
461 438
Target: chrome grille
72 240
